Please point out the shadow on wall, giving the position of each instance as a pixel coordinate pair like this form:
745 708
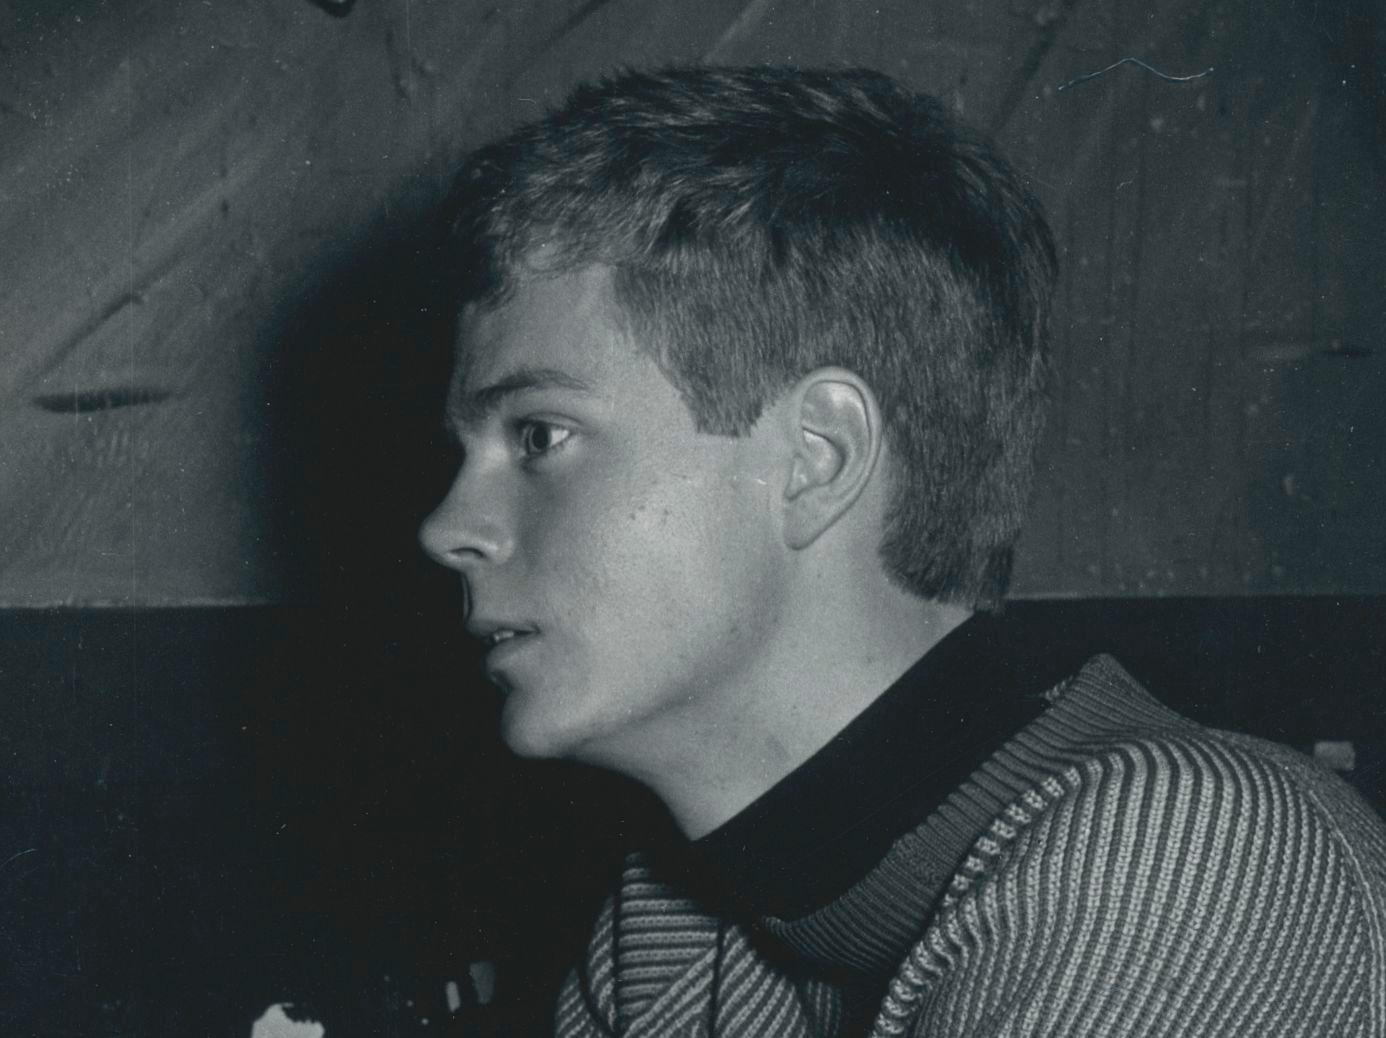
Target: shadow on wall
357 391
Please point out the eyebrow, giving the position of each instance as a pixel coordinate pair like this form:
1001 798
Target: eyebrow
475 407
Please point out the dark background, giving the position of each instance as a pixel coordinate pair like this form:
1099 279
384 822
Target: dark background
212 810
244 754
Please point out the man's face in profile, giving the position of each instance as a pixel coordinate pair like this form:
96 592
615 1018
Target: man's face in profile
623 566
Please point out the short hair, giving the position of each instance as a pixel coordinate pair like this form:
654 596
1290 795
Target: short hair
762 222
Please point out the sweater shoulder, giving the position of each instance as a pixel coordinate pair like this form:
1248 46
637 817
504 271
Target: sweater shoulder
1143 741
1106 719
1164 867
1190 796
1177 792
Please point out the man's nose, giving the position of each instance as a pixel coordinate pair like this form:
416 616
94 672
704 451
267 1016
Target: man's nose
466 528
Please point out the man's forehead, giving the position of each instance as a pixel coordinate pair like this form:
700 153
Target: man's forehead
486 369
478 346
550 333
541 319
538 309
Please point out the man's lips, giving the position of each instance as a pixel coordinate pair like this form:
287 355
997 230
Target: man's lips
502 648
495 633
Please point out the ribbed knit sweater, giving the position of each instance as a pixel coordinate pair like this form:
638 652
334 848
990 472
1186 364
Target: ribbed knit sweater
1114 870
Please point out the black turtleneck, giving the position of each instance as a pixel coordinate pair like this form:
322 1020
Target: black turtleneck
819 830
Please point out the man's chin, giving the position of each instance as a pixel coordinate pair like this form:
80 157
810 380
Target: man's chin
527 731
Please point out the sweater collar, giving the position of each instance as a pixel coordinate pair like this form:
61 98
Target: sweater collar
815 834
865 933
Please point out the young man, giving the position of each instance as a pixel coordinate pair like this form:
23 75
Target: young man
749 376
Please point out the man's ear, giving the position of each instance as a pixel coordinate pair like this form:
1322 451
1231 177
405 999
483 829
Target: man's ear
835 425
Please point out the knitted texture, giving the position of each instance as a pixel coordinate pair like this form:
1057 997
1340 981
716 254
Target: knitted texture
1115 870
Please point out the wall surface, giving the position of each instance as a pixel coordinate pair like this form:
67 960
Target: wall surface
197 200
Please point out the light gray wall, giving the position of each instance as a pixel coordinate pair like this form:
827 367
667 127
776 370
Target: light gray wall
176 178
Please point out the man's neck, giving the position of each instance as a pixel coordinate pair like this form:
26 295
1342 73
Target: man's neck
821 682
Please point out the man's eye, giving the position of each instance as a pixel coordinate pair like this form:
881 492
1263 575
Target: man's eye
538 438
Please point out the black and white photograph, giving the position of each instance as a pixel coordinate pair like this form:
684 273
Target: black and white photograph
643 518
